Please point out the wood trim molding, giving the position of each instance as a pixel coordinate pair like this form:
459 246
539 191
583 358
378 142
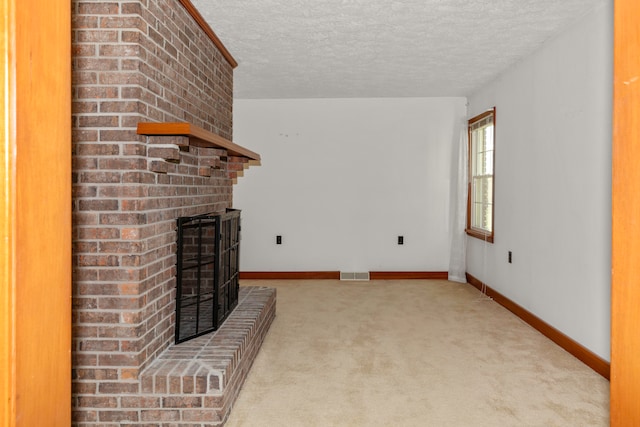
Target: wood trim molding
408 275
35 172
197 136
290 275
587 357
488 238
208 31
335 275
7 222
625 286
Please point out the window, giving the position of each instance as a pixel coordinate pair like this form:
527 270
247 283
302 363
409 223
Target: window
480 196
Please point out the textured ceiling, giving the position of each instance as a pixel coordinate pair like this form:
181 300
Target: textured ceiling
380 48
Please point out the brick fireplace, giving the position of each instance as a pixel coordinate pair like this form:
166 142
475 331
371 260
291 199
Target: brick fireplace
147 61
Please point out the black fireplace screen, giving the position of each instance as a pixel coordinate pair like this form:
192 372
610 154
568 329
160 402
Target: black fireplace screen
207 276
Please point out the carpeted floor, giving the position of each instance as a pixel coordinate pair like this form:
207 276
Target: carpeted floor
410 353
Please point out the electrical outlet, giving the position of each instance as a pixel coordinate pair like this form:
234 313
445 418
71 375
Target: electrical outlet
401 240
510 257
278 240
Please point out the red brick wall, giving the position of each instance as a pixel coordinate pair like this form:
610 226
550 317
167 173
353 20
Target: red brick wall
136 60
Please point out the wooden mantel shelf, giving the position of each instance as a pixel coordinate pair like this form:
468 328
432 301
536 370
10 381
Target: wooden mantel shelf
198 136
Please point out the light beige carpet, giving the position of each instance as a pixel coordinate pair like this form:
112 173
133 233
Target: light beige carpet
410 353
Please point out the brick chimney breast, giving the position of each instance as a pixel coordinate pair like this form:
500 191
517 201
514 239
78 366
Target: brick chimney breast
136 61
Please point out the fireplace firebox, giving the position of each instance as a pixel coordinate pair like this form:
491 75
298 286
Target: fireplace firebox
207 276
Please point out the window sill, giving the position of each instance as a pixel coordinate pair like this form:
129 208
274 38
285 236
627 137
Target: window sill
480 235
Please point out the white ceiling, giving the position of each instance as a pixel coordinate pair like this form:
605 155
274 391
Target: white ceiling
380 48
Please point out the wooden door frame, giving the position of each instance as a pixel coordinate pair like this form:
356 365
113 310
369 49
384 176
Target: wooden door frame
625 262
35 213
7 201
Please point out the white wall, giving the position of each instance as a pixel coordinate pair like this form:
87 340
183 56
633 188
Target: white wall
342 178
553 185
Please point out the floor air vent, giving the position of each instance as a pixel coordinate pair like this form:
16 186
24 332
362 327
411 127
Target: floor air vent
354 275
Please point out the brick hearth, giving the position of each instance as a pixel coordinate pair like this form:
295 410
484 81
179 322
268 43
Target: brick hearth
196 383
